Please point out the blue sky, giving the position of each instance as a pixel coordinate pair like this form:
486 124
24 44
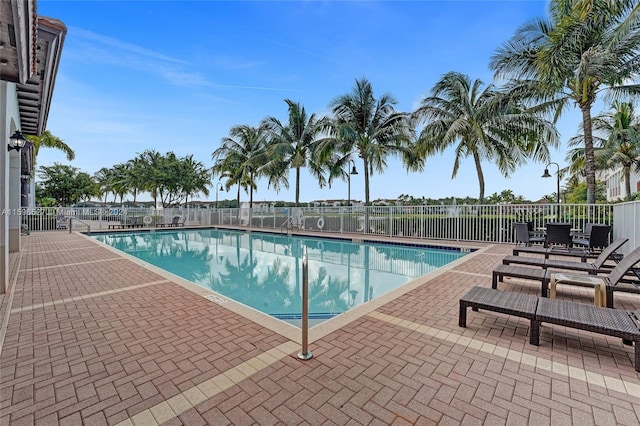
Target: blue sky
177 75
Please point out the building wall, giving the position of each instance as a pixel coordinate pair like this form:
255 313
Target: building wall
615 184
9 181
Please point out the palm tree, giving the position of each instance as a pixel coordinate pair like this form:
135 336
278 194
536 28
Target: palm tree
150 166
616 137
48 140
196 178
119 181
481 123
292 145
104 177
583 48
368 127
242 158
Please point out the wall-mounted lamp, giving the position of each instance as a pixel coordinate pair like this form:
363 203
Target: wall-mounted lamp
16 141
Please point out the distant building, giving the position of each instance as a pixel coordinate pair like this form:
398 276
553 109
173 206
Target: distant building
614 182
386 202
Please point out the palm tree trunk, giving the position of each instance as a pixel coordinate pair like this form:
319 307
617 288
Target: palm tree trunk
238 207
251 191
476 159
590 169
366 181
626 170
297 186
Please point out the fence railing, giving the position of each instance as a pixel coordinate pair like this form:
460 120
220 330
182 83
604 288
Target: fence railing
489 223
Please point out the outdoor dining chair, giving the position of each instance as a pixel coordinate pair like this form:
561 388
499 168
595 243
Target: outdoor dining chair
597 239
558 234
524 237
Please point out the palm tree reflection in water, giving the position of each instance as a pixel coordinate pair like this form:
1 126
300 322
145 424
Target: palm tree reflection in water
263 271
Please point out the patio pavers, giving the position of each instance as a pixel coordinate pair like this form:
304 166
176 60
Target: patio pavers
96 338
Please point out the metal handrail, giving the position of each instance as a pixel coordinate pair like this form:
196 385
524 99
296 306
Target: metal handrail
71 219
286 223
305 353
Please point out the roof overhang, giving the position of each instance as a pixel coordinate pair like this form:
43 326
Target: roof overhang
30 48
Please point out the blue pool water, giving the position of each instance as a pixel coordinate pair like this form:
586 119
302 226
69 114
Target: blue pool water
264 271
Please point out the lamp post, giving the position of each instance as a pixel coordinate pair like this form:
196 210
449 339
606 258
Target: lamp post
352 172
218 188
547 175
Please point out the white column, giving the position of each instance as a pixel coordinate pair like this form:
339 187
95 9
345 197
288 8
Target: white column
4 193
14 201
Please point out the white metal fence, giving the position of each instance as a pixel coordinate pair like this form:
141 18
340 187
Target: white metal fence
490 223
627 218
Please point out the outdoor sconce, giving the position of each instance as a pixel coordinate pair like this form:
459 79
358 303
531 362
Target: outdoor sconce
16 141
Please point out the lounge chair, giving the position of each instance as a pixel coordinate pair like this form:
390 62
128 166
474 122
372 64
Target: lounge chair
555 251
175 222
590 267
614 281
538 310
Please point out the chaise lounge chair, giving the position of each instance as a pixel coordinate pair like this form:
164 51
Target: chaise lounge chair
591 267
175 222
556 251
538 310
616 280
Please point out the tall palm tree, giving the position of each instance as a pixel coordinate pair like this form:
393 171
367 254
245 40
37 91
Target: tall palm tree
150 166
120 184
369 128
482 123
196 178
292 145
585 47
616 136
104 177
241 158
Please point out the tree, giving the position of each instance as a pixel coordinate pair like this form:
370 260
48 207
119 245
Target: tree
86 187
65 184
119 181
48 140
103 179
616 138
150 163
369 128
291 146
621 140
194 178
241 158
483 123
583 48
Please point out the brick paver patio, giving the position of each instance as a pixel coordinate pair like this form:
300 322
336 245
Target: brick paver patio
92 337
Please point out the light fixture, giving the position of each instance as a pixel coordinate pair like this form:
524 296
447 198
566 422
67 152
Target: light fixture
546 174
353 172
16 141
219 187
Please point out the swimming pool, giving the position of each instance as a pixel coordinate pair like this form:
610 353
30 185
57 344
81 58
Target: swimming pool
264 271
